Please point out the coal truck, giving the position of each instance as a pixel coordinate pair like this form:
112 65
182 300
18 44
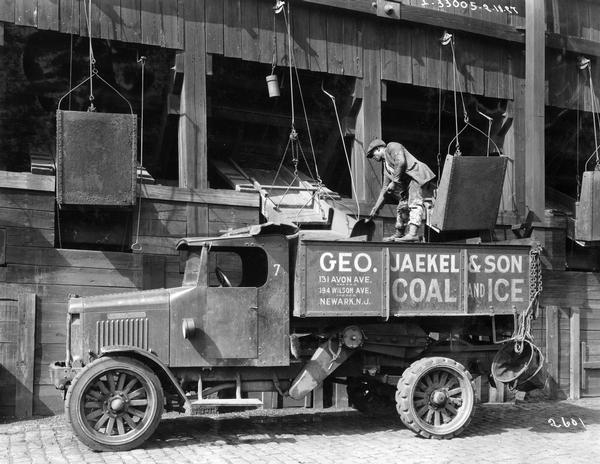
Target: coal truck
275 308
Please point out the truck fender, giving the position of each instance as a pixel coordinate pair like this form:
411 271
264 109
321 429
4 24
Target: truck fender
152 361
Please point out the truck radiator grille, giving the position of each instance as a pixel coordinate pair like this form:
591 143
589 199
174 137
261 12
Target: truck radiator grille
130 332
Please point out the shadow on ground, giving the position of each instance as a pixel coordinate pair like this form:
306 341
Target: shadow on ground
263 427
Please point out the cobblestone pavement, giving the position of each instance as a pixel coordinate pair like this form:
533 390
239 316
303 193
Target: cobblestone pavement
503 433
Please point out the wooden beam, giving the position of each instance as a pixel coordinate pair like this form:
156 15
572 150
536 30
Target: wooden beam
535 107
269 118
2 247
25 356
367 173
552 349
192 124
575 354
415 14
26 181
455 22
207 196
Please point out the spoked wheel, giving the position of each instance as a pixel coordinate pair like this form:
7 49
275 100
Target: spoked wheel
369 397
435 397
114 404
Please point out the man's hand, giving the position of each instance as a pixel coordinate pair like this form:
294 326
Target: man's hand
390 188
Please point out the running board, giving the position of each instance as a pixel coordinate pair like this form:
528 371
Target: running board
210 402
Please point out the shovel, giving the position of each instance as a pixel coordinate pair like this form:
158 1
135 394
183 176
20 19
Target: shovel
364 227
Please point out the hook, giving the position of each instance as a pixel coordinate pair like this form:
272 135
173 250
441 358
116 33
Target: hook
326 92
583 62
278 8
446 38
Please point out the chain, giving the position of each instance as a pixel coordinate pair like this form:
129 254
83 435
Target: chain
535 272
523 321
294 142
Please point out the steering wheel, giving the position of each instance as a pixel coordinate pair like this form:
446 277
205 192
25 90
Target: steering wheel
222 278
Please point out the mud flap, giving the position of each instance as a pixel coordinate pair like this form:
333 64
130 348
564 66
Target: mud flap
327 358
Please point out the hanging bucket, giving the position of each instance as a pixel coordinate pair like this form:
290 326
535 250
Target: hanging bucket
272 85
520 371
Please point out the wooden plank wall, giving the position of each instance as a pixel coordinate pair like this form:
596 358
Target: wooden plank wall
52 275
27 217
163 223
328 40
17 338
151 22
571 292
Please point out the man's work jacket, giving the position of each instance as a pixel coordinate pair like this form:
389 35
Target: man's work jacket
399 161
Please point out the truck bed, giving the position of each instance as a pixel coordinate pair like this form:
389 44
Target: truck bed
354 279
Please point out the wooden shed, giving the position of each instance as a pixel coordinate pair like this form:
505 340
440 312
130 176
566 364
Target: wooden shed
512 68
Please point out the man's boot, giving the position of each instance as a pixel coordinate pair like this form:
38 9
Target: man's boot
411 236
395 236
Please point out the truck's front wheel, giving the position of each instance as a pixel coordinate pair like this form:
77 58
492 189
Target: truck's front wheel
114 404
435 397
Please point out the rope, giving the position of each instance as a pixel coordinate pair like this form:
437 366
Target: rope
439 152
457 88
454 93
92 59
595 122
289 37
274 58
136 246
578 130
294 144
352 180
71 55
594 114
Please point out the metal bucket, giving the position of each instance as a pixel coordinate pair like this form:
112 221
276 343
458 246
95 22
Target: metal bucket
272 85
520 371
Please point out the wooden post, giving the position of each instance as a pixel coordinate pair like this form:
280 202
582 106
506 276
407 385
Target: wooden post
513 196
25 360
367 174
341 396
496 395
192 123
477 389
575 355
193 119
318 398
2 247
552 347
535 48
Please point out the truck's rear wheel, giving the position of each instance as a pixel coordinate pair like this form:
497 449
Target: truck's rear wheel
435 397
114 404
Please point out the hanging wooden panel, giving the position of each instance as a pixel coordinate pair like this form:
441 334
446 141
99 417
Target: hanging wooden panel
587 209
469 193
96 158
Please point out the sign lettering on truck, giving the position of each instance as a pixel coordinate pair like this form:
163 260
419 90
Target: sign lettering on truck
414 279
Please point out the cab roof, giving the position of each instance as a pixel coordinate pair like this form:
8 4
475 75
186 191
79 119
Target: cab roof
267 228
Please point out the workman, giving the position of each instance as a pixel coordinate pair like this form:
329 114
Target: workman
404 179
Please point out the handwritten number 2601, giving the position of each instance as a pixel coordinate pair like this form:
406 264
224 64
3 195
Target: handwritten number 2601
566 422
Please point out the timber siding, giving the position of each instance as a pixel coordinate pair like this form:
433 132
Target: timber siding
32 265
328 36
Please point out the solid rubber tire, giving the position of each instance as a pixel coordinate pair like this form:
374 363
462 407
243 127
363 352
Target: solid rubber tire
409 380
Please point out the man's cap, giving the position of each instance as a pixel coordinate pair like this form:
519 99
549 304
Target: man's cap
375 143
